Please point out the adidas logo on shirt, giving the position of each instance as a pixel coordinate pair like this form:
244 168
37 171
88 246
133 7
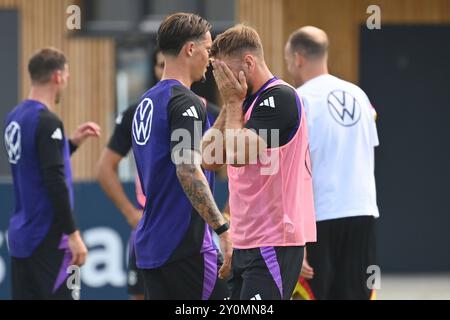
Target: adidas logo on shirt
269 102
57 134
256 297
191 112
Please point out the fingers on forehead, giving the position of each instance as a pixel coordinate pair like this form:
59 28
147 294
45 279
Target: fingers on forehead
219 72
223 70
228 72
216 74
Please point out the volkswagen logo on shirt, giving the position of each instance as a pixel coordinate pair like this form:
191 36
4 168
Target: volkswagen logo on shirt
142 121
12 142
344 108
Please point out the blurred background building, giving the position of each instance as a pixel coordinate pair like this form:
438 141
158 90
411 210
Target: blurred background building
404 68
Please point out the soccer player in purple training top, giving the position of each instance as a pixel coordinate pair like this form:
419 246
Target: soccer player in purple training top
174 246
43 237
118 147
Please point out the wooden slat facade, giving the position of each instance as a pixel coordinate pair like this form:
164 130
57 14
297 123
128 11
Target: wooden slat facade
91 91
276 19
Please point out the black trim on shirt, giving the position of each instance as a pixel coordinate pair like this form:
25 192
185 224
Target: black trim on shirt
276 108
120 141
50 147
186 111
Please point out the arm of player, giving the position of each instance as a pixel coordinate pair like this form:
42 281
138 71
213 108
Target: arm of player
243 145
107 166
108 178
50 148
226 211
185 152
197 189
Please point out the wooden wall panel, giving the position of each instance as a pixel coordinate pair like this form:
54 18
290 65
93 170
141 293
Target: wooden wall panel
266 17
336 19
407 11
340 19
90 95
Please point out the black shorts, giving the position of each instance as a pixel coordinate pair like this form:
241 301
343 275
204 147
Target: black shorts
41 276
345 248
135 280
193 278
267 273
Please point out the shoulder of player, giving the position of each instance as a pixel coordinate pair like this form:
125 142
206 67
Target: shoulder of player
356 91
351 87
181 92
325 85
127 115
49 126
184 98
279 90
49 119
131 109
277 94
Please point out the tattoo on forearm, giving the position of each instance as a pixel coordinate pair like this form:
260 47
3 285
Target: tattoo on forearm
197 190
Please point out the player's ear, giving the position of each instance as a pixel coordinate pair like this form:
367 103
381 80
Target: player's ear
189 48
57 77
249 62
299 60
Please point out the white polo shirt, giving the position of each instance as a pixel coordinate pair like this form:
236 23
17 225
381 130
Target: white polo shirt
342 137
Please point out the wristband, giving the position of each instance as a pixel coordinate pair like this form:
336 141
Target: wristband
222 229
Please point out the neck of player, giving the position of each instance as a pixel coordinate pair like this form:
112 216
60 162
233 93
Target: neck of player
261 76
314 70
44 94
174 69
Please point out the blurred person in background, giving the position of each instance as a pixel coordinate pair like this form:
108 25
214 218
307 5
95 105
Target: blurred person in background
343 135
43 238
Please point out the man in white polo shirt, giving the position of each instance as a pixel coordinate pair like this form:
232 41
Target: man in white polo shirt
342 137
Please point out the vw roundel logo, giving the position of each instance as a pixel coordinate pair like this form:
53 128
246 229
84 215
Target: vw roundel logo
344 108
142 121
12 142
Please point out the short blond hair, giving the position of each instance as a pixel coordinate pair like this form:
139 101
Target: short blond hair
236 40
